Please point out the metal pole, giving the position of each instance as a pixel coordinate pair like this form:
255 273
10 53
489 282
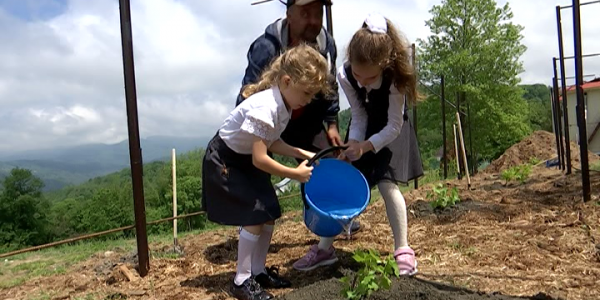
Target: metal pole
554 122
563 84
444 158
561 151
135 151
414 63
581 122
330 27
329 17
558 115
584 76
579 4
584 56
473 161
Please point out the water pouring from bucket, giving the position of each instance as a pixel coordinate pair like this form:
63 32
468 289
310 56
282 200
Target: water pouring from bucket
334 196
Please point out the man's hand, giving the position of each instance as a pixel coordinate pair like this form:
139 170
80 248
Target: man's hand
333 135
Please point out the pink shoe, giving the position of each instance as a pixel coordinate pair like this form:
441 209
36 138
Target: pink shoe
405 258
316 258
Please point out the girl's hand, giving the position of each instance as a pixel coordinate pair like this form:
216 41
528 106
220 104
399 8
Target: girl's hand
354 151
303 172
308 155
342 156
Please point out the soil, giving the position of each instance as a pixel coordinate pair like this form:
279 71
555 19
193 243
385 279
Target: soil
501 241
540 145
403 289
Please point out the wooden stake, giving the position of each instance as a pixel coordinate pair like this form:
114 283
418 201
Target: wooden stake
456 151
130 276
174 170
464 152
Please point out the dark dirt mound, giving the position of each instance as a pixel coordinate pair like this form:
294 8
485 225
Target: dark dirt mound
402 289
540 145
423 210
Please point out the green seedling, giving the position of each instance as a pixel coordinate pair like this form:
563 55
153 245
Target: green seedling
374 275
442 197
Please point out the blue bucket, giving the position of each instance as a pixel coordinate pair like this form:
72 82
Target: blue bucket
335 194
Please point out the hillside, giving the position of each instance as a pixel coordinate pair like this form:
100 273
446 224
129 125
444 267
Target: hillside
61 167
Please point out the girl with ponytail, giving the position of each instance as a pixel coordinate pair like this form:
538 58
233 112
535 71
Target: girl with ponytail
378 80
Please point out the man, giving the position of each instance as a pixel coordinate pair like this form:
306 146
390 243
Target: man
313 127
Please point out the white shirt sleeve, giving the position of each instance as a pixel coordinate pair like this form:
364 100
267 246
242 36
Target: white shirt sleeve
394 124
358 125
260 122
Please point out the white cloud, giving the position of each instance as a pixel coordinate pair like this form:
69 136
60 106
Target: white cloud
61 77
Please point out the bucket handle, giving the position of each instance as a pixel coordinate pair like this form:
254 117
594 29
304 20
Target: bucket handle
311 161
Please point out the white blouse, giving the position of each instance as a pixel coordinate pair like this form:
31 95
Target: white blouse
263 114
358 127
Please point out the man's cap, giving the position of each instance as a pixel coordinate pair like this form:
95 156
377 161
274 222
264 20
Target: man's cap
304 2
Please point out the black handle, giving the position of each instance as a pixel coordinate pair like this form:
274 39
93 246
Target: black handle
324 152
311 161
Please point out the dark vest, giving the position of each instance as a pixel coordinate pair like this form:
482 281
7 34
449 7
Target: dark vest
376 102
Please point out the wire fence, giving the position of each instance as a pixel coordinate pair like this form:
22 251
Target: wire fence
102 233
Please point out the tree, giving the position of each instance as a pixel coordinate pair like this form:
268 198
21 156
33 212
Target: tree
23 211
540 106
476 47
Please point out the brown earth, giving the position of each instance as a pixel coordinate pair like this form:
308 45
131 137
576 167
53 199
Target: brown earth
518 240
540 145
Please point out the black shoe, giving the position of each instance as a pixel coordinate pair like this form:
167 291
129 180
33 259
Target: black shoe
354 228
249 290
271 279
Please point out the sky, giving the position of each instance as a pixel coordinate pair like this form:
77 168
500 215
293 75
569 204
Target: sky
61 72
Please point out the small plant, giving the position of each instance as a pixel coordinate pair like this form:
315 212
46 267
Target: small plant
442 197
519 173
534 161
374 274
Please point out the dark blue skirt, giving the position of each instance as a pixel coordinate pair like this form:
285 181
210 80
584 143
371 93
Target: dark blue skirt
234 191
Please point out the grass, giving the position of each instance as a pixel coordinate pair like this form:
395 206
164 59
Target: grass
18 269
595 166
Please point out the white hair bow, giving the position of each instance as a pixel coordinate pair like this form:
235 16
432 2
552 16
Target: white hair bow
376 23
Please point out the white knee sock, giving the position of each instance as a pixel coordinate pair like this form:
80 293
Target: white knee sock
396 212
259 257
246 246
325 243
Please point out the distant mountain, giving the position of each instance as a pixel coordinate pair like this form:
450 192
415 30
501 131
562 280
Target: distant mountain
60 167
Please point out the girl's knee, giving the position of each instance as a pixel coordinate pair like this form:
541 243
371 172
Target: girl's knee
254 229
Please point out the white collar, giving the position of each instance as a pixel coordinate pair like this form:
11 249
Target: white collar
282 109
375 85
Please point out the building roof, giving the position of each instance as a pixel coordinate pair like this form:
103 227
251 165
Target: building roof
594 83
588 85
